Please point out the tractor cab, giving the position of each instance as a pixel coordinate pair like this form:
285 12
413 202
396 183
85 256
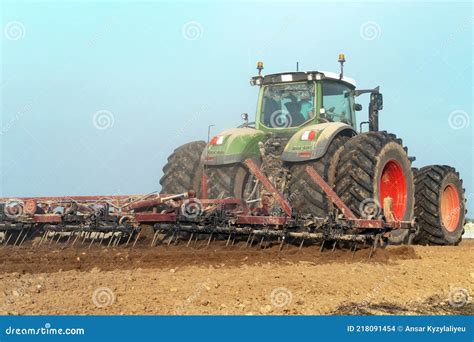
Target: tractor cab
298 114
289 101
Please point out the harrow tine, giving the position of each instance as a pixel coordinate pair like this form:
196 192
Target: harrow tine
130 238
190 239
251 241
59 238
152 244
51 240
102 239
210 238
24 237
6 241
77 237
374 246
354 250
301 244
228 240
111 239
178 238
136 239
171 238
117 240
85 237
281 244
247 242
334 246
17 239
261 241
92 241
69 238
42 238
322 246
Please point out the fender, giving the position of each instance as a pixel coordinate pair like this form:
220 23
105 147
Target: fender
298 150
238 144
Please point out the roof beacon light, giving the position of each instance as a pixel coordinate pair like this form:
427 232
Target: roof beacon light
259 67
341 60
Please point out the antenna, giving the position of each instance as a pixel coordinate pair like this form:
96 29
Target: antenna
297 66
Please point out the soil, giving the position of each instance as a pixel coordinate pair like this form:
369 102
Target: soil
214 280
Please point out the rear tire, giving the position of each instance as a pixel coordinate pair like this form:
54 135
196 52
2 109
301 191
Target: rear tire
184 169
374 166
304 194
439 206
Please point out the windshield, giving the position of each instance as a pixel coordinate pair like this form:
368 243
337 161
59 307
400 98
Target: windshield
287 105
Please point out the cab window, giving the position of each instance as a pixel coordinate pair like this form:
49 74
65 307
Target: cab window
337 103
287 105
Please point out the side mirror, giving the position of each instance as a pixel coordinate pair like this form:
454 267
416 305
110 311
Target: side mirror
245 117
377 101
357 107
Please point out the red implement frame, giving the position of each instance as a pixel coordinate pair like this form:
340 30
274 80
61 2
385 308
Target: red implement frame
124 203
269 186
330 193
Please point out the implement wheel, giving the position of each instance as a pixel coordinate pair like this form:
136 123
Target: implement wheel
184 169
374 166
440 205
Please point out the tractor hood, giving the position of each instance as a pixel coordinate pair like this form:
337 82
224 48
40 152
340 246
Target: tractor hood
311 142
233 146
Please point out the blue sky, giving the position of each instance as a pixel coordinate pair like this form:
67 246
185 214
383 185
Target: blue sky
156 74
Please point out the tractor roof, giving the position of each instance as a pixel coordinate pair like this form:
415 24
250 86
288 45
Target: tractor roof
304 76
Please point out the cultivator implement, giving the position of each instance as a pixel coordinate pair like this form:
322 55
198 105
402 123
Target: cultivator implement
183 218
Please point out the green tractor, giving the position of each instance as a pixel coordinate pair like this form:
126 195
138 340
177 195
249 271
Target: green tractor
309 119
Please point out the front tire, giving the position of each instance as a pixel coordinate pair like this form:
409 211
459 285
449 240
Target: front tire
233 180
183 171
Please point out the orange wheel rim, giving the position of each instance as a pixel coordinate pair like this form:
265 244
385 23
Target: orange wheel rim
450 208
393 184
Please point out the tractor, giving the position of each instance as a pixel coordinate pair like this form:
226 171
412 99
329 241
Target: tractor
309 119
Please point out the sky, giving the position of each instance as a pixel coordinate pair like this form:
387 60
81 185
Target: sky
96 94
